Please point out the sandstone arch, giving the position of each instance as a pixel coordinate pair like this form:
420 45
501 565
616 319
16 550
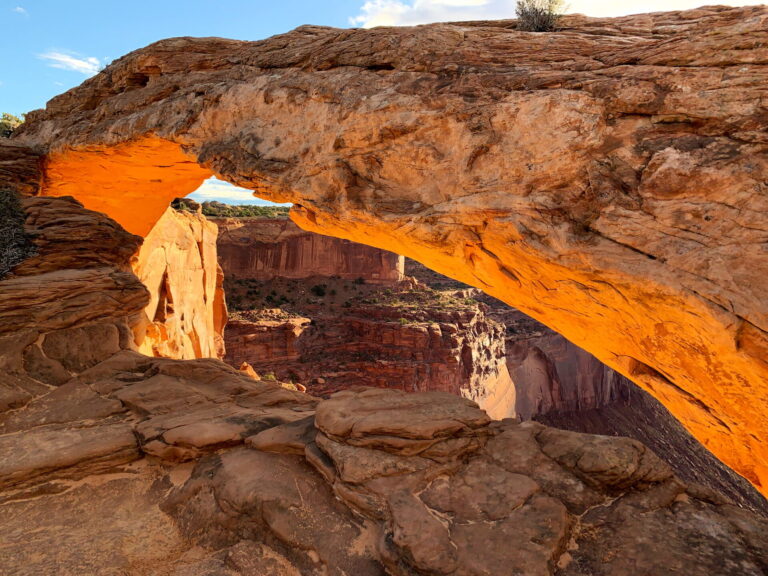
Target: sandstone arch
610 180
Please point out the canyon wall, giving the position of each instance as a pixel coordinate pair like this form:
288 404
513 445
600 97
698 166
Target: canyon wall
607 179
553 374
265 248
187 312
458 351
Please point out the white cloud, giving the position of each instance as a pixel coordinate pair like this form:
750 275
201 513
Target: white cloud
88 65
213 189
20 10
412 12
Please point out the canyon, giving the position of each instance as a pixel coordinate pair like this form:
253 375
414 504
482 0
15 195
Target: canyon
331 314
607 180
428 332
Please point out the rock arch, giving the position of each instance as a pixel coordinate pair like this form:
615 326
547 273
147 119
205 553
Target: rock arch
610 180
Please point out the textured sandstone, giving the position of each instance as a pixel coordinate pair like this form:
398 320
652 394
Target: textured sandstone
608 180
370 482
266 248
186 314
73 304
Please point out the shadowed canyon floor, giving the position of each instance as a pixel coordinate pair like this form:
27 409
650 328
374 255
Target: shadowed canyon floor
117 463
607 179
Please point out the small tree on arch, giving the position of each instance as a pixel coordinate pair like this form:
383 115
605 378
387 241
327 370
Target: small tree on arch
538 15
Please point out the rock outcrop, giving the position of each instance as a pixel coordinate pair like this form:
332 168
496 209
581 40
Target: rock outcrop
71 305
266 248
205 470
187 311
561 385
607 179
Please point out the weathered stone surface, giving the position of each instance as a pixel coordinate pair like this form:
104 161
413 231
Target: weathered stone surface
103 525
563 386
607 179
266 248
71 305
394 421
52 450
20 168
523 501
186 314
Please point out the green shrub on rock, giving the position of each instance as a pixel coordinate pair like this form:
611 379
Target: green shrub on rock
15 244
538 15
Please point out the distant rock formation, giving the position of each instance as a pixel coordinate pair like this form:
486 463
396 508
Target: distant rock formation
265 248
458 350
187 312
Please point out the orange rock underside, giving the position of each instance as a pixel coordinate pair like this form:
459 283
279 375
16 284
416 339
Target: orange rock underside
132 183
702 376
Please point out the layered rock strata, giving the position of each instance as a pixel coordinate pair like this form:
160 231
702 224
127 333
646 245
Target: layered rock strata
428 345
266 248
187 311
205 470
607 179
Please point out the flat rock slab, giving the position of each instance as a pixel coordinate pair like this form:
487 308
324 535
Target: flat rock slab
385 413
101 526
62 451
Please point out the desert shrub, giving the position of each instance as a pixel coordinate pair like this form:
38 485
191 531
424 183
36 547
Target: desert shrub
9 123
15 244
538 15
269 377
360 281
221 210
318 290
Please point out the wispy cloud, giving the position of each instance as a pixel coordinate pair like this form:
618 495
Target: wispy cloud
213 189
88 65
411 12
20 10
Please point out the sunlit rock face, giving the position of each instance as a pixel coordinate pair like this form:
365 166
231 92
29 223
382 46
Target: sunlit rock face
608 179
265 248
210 471
186 314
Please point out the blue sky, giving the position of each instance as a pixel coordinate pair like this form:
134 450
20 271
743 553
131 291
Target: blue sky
49 46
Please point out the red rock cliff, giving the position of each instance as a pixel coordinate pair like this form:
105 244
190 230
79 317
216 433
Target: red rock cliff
187 312
457 350
264 248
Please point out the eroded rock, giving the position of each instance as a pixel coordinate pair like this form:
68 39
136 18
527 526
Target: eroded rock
617 195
